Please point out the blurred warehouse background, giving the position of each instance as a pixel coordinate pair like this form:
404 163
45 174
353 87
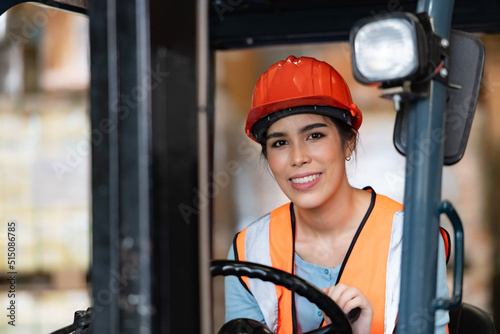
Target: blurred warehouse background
45 145
44 164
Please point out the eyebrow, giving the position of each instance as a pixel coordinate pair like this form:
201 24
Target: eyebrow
310 127
306 128
275 135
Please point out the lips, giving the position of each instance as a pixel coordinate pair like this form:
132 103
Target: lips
304 182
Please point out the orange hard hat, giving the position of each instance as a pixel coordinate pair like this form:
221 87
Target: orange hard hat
300 85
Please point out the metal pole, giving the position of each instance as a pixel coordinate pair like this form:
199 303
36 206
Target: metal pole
425 157
176 196
205 148
121 156
105 168
134 157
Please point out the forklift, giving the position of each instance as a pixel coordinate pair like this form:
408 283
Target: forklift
151 266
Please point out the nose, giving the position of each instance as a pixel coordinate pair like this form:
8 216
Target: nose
299 155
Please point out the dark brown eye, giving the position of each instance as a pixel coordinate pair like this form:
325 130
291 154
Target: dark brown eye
315 135
279 143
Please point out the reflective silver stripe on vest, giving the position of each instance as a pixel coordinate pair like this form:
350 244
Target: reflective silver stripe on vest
393 273
257 250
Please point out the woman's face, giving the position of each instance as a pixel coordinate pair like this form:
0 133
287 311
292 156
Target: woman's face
307 157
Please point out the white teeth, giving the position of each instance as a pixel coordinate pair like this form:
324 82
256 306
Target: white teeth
306 179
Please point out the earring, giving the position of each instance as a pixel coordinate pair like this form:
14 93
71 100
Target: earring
348 158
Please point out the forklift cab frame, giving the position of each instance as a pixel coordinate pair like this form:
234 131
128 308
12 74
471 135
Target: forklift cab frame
143 176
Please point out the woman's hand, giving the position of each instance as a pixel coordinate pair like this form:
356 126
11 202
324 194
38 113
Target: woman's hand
348 298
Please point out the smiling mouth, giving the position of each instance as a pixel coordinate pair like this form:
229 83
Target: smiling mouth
306 179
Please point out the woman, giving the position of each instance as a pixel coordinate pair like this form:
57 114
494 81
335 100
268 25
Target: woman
344 240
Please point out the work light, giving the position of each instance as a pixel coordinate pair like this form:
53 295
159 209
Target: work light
392 48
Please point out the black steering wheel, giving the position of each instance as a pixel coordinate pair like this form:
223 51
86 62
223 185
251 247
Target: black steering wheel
341 323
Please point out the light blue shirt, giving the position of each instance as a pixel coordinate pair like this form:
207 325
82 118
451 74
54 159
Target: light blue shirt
241 304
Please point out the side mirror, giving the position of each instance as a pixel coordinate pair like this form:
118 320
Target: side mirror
466 64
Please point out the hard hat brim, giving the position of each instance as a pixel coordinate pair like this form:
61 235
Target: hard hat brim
259 129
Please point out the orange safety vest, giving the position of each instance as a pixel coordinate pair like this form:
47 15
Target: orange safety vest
371 264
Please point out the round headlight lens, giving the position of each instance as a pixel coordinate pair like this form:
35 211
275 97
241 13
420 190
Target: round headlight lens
386 50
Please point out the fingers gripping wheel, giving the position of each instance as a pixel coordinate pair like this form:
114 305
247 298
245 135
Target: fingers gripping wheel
340 322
